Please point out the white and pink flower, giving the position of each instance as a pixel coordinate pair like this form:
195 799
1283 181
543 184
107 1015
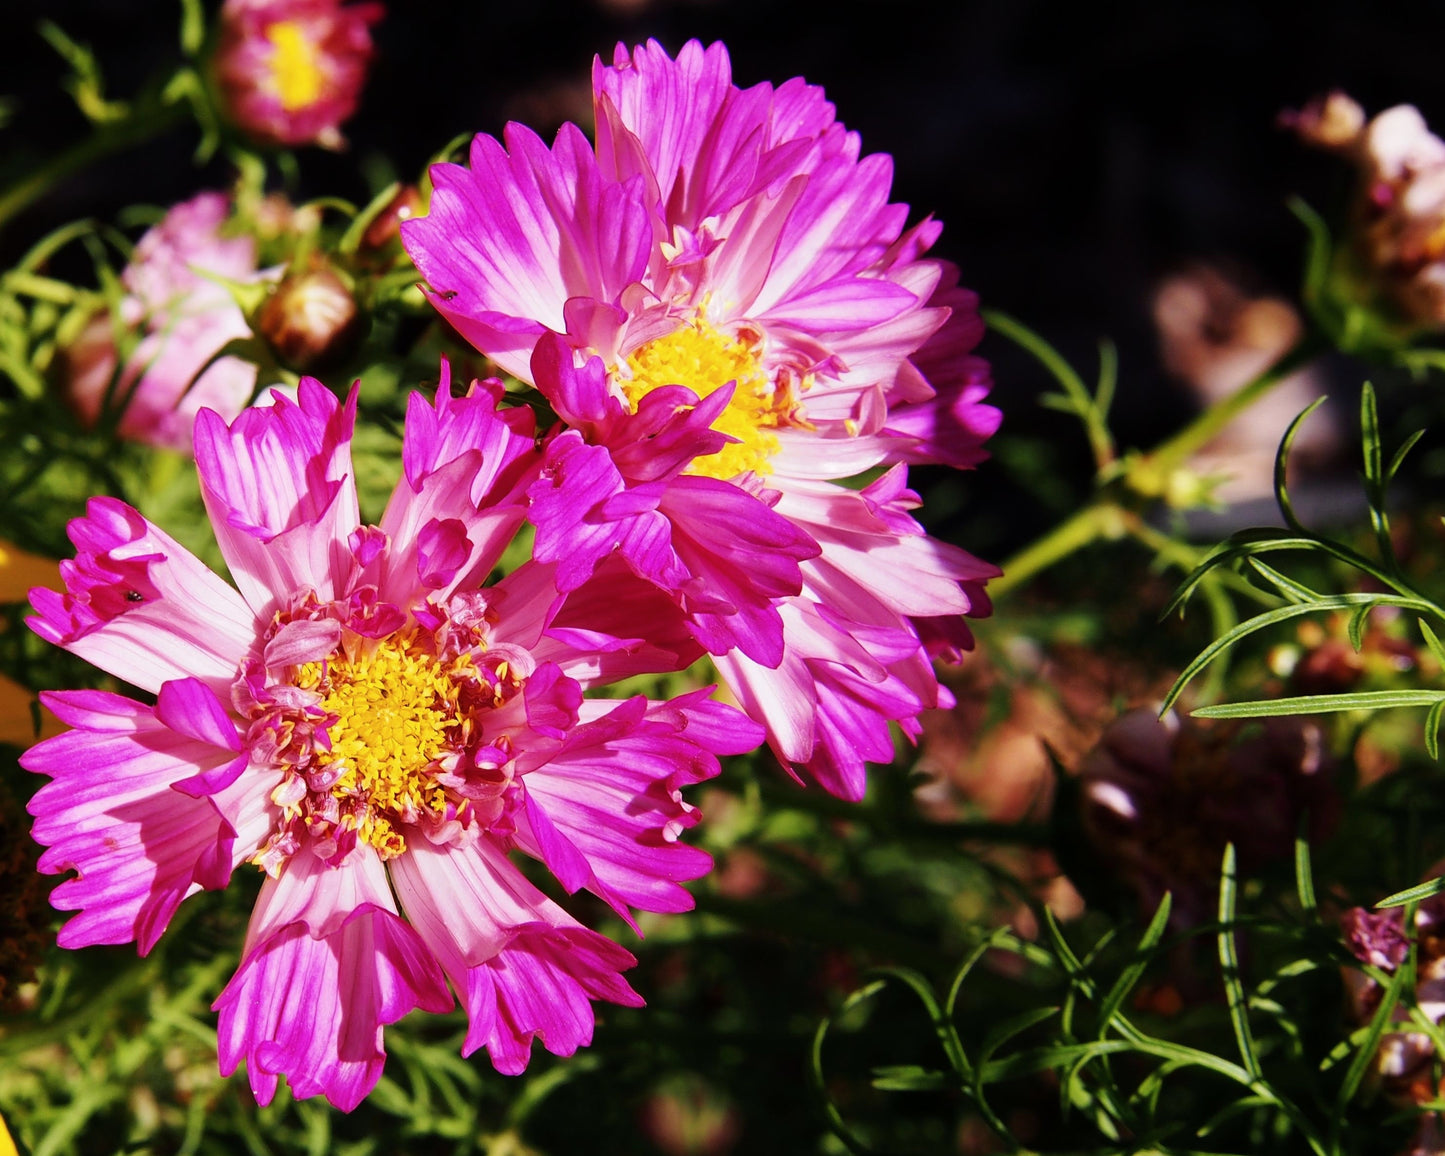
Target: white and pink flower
365 722
724 307
186 320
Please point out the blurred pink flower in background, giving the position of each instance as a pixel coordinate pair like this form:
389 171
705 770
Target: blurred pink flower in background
1215 336
1405 1059
1400 205
186 319
291 71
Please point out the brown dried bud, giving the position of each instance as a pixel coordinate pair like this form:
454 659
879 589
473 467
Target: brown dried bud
311 320
1162 797
386 227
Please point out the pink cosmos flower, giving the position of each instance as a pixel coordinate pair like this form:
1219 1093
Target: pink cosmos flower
187 320
363 721
723 306
290 71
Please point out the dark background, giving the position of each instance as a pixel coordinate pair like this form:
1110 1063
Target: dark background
1076 152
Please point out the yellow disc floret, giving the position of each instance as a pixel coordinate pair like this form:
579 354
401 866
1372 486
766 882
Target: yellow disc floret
704 359
396 708
295 65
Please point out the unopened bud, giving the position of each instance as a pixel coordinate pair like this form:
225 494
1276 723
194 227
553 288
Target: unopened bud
311 320
1334 121
386 228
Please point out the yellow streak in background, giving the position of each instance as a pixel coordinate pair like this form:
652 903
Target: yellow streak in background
19 571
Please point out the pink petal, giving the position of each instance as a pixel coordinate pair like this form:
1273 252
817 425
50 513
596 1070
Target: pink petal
109 814
278 486
523 967
312 1009
141 606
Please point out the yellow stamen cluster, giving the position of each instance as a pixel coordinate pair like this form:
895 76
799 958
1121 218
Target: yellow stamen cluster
704 359
295 65
396 709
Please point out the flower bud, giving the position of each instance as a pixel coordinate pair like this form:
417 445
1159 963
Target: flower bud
385 230
311 320
1334 121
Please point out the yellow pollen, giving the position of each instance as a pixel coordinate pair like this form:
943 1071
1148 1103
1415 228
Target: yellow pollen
396 709
295 65
704 359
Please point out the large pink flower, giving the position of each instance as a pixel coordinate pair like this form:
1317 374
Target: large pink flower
367 724
186 318
722 304
291 71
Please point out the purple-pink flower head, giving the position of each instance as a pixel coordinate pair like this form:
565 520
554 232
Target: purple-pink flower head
186 320
722 304
374 730
716 236
291 71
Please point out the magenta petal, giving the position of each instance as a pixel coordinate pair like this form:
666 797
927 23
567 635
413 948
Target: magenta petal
279 488
508 242
614 626
542 987
109 814
577 530
524 969
141 606
467 469
452 427
606 810
552 700
742 557
313 1009
191 709
442 549
670 428
579 395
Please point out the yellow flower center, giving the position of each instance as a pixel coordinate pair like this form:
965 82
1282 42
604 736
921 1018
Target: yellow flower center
396 709
295 65
704 359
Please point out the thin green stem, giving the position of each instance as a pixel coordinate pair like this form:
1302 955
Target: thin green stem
1105 517
144 122
1098 519
1092 411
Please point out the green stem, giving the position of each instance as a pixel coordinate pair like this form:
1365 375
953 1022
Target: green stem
1098 519
1104 517
142 124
